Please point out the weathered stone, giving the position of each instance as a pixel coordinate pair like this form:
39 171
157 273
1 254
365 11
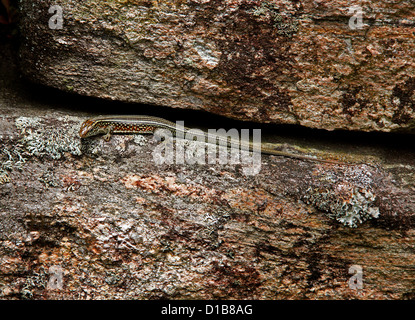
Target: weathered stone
268 61
121 227
105 221
91 219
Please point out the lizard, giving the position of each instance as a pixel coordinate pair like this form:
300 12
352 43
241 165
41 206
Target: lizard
140 124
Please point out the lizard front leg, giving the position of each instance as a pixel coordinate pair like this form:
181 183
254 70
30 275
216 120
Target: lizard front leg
108 133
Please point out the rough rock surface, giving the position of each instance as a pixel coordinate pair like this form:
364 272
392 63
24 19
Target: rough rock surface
119 226
91 219
279 61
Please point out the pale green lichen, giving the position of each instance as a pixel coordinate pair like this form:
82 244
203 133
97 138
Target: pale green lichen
140 140
351 211
41 139
10 159
270 10
35 282
49 179
38 139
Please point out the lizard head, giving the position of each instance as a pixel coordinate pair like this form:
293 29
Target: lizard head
90 128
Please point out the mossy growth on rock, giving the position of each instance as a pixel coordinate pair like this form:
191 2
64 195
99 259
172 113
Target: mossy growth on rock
351 211
268 10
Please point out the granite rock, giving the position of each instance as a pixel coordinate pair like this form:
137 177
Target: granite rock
321 64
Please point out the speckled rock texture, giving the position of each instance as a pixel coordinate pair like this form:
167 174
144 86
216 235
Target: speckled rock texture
89 219
121 227
307 62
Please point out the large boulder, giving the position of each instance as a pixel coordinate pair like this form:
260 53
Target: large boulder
322 64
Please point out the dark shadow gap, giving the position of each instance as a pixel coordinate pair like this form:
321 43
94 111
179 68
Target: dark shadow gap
90 106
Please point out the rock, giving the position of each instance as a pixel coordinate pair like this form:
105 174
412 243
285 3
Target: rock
320 64
118 226
89 219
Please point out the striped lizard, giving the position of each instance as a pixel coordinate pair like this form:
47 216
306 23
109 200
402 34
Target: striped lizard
137 124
